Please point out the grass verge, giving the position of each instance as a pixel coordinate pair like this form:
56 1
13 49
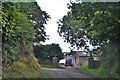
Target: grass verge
49 66
44 75
93 72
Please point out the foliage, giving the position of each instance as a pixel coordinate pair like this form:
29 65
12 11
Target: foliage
97 24
17 31
37 17
22 24
110 59
48 51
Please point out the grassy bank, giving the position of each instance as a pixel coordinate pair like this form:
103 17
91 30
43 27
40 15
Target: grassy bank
93 72
26 67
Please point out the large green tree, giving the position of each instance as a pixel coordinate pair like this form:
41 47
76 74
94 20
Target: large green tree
36 17
97 24
48 51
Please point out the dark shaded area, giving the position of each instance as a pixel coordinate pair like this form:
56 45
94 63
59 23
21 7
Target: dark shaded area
45 53
68 61
93 64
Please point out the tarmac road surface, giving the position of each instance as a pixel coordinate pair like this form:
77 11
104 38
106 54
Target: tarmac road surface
68 72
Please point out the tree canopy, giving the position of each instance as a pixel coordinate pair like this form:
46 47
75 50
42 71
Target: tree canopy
96 24
48 51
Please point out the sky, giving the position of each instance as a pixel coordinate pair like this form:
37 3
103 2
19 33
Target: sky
56 9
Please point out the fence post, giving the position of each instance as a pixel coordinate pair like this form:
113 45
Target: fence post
55 60
91 63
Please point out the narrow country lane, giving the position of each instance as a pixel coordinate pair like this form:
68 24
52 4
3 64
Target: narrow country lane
64 73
